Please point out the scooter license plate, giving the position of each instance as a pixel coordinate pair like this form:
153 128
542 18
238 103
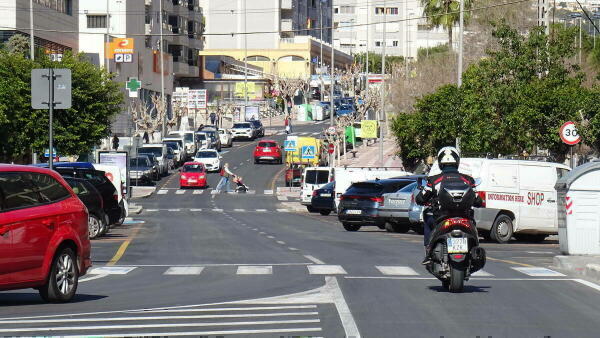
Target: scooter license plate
458 245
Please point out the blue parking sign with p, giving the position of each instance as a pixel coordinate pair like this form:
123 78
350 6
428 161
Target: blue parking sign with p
308 152
289 145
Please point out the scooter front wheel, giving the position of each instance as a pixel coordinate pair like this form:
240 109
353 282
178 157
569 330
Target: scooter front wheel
457 279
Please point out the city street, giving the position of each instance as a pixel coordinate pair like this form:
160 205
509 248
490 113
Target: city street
200 264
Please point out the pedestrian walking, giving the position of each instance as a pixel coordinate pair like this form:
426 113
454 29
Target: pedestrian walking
213 118
286 123
226 176
290 125
115 142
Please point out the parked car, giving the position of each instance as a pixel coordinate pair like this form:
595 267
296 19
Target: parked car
154 166
323 200
159 151
344 109
189 141
91 198
359 205
141 170
203 141
243 130
395 208
44 240
268 150
293 175
177 145
259 130
519 197
214 139
110 195
193 174
226 137
210 158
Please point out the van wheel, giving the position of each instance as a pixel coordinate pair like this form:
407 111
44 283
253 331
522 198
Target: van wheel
502 230
351 227
63 278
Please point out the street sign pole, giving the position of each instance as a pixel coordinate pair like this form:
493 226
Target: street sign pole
51 113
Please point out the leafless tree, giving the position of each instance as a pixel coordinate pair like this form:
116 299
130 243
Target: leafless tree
145 116
366 101
348 77
287 88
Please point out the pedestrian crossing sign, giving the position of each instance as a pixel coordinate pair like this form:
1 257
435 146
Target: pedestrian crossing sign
308 152
289 145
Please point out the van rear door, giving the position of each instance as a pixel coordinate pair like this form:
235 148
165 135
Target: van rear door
538 211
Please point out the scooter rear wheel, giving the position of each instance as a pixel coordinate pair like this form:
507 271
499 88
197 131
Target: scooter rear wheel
457 279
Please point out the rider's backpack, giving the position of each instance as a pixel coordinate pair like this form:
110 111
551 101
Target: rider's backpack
455 194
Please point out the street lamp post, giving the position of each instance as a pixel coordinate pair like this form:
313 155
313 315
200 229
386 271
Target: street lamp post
162 70
107 40
367 54
245 62
31 37
382 111
321 56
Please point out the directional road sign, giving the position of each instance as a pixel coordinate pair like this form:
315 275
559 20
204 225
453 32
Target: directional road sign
290 145
308 152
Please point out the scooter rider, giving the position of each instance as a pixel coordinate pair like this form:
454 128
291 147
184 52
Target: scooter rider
448 161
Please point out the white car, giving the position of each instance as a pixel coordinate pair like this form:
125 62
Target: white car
226 137
159 150
210 158
202 140
243 130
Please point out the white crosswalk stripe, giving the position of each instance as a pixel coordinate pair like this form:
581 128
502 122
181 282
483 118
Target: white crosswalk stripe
397 270
239 210
162 192
283 210
261 210
254 270
326 270
538 272
195 210
184 270
268 192
112 270
198 192
282 198
180 192
482 273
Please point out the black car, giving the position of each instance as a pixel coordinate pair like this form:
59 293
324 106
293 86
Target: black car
110 196
322 199
258 126
359 205
90 196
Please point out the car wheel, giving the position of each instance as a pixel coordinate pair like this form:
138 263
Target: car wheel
502 229
63 278
418 229
255 161
530 238
325 212
381 226
310 208
94 225
397 227
351 227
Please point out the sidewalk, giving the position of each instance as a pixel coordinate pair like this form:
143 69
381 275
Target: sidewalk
588 266
368 156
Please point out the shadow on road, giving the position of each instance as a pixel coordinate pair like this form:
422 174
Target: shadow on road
467 289
33 298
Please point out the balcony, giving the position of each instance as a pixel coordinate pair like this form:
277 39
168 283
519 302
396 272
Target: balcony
180 67
286 25
286 4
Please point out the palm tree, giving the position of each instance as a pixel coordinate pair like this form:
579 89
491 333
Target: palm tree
444 13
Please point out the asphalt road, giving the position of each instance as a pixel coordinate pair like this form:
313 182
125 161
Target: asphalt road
201 264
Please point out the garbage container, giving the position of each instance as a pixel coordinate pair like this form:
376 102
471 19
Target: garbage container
578 201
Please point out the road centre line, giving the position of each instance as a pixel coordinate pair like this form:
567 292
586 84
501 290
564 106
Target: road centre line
207 333
138 326
121 251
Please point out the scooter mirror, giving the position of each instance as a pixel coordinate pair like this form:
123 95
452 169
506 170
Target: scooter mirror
422 182
477 182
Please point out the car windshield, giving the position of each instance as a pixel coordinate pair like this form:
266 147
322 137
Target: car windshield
156 151
394 186
172 145
200 137
241 125
193 168
328 186
256 123
363 188
138 162
221 131
317 176
206 154
267 144
345 107
409 188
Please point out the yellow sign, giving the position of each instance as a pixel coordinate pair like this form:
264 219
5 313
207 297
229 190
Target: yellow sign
119 46
368 129
239 89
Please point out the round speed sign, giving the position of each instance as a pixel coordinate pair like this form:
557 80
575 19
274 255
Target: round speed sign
331 130
569 134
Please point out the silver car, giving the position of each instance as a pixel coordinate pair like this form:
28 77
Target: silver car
395 208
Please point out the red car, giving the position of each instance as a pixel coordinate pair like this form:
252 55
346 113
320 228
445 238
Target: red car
193 174
44 240
268 150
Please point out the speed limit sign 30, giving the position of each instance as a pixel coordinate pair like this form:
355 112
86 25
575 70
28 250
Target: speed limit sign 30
569 133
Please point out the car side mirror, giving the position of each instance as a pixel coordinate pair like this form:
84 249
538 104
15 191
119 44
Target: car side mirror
477 182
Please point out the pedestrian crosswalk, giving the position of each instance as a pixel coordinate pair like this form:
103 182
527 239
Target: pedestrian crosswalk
310 269
228 319
306 133
210 191
219 210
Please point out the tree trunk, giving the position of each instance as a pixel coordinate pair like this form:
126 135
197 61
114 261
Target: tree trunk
450 38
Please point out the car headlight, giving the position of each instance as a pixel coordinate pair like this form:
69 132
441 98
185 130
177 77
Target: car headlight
183 177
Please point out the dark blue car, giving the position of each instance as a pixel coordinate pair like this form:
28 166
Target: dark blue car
345 109
323 200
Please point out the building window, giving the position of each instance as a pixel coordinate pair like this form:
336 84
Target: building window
336 10
395 43
292 58
378 44
96 21
386 10
257 58
347 9
62 6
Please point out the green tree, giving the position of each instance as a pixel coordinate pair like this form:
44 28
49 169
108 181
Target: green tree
445 13
18 44
375 62
96 100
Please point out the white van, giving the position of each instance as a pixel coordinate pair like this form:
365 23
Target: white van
519 197
118 177
314 178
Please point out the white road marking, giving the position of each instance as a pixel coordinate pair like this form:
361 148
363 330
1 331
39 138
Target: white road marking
587 283
315 133
271 237
195 210
151 210
184 270
482 273
173 210
397 270
314 259
283 210
281 242
326 270
251 192
87 279
111 270
282 198
140 326
537 272
217 210
235 167
162 192
292 249
255 229
239 210
214 192
209 333
198 192
180 192
248 160
262 233
255 270
304 133
249 308
261 210
540 252
268 192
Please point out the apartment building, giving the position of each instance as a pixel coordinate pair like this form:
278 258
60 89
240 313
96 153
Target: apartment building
182 28
360 27
54 23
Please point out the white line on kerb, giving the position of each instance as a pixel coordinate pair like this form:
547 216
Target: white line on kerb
314 259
